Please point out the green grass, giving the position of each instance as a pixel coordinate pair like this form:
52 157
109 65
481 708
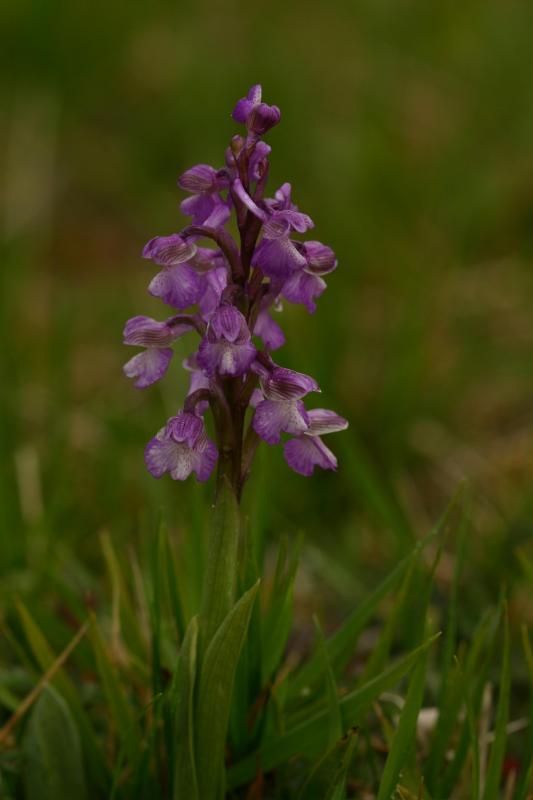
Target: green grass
406 134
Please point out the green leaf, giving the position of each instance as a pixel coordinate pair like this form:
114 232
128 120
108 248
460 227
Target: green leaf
53 764
526 781
342 643
214 695
121 711
45 657
405 734
311 734
185 781
221 572
277 621
126 615
327 780
332 694
380 654
497 751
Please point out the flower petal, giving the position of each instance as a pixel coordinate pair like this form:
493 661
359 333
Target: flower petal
201 178
286 384
277 258
307 452
169 250
272 417
204 457
301 287
178 286
225 358
147 332
322 421
149 366
185 428
320 258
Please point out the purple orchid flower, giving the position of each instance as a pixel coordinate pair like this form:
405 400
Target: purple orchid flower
257 116
149 366
277 255
235 286
227 348
178 284
308 450
206 206
306 284
282 409
181 447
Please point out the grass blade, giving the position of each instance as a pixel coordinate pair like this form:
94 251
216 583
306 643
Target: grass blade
53 764
185 780
497 752
309 736
214 695
405 734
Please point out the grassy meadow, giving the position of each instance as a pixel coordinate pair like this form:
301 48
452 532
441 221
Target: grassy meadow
406 133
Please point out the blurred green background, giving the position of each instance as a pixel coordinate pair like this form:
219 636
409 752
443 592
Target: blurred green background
406 133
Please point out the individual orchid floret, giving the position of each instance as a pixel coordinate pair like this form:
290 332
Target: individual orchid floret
206 207
178 284
283 410
306 284
150 366
257 116
277 255
308 450
180 448
226 349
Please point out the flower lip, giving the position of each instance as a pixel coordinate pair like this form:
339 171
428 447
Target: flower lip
168 251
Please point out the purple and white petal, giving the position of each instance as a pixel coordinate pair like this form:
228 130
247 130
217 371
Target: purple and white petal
160 454
206 209
262 118
322 421
301 287
307 452
178 286
228 323
286 384
185 428
245 104
214 283
169 250
147 332
320 258
149 366
225 358
198 179
205 455
277 258
298 221
272 417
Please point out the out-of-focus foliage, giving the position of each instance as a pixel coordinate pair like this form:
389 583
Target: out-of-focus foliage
406 133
